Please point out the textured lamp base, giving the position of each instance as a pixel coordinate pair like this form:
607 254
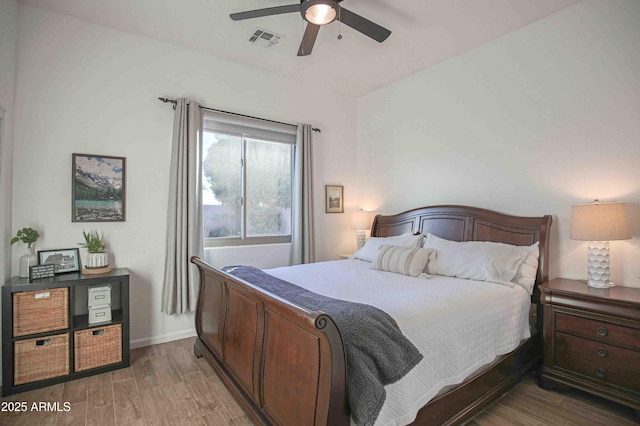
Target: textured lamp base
598 264
360 238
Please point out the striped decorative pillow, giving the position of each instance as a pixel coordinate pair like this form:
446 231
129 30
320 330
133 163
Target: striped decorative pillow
402 260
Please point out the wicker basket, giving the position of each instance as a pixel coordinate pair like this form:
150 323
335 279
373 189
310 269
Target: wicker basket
96 347
39 359
40 311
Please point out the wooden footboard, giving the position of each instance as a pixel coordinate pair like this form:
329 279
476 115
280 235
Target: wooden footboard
284 364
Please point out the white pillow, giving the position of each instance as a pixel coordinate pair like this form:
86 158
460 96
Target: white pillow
475 260
402 260
528 270
369 250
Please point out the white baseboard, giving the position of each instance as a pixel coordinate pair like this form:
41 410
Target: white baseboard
147 341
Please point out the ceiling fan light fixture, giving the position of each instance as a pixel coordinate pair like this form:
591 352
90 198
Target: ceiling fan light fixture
319 12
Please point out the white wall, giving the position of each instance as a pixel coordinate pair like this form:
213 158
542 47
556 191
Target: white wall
84 88
8 49
260 258
528 124
8 52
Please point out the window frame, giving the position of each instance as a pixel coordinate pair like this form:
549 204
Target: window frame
235 128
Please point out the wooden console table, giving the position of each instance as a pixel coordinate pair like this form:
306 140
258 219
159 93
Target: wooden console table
46 334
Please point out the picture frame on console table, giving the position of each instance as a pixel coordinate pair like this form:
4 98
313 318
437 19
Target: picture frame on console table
98 188
64 260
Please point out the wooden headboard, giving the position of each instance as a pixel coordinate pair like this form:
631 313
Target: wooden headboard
462 223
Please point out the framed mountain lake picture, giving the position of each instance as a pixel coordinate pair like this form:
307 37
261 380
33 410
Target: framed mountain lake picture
98 188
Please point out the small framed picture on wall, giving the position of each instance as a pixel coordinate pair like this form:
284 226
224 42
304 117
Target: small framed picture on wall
98 188
334 198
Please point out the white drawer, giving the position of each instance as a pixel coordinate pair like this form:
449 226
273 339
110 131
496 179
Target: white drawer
99 314
99 296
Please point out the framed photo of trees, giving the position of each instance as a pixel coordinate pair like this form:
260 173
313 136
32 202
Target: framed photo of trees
98 188
334 195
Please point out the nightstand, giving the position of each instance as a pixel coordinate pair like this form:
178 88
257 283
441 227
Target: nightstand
592 340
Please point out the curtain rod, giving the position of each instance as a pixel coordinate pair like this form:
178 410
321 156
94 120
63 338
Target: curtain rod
174 102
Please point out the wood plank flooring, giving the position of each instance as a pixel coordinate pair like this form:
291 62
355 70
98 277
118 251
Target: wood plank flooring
167 385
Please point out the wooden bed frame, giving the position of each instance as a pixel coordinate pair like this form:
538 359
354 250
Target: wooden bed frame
285 365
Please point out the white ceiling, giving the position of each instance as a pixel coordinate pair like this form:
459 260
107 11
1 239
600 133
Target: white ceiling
424 33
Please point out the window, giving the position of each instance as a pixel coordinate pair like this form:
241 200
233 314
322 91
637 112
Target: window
247 181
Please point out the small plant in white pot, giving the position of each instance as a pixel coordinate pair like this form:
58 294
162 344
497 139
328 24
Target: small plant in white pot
97 256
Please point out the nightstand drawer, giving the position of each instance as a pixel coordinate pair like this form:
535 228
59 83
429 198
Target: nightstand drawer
598 330
599 361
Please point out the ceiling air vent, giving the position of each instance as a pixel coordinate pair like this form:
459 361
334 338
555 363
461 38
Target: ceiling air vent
265 38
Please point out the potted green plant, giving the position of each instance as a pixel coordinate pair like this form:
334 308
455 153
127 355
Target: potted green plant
97 257
28 236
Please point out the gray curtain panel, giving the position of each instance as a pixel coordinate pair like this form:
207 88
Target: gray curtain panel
302 229
184 218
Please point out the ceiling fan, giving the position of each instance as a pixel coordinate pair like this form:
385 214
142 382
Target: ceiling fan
318 13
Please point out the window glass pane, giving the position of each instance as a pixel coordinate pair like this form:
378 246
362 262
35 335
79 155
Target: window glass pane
221 185
268 174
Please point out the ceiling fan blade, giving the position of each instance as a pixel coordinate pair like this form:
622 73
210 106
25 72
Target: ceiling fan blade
309 39
365 26
278 10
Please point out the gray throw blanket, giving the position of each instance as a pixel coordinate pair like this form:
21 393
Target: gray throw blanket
377 352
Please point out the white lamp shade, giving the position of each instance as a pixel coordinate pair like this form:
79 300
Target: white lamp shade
361 220
599 222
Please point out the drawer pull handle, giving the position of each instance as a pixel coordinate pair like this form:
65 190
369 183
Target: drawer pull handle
600 372
601 352
101 296
44 295
602 331
43 342
98 332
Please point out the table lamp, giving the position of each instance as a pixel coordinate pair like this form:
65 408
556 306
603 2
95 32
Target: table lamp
361 222
599 223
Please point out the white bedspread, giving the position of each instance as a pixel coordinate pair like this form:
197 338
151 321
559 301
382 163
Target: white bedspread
458 325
